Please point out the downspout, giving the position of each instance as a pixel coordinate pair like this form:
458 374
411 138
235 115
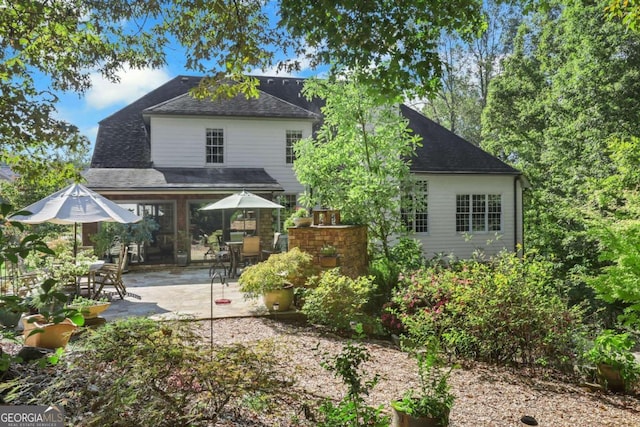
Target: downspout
517 226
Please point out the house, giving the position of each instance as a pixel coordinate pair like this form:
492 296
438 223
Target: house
167 154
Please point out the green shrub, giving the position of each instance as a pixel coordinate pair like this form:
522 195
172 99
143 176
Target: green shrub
615 350
502 311
352 410
335 300
407 254
146 373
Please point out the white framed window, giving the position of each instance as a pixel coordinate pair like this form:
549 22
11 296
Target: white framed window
478 213
292 137
214 146
415 212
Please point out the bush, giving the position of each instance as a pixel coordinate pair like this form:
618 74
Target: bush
352 410
504 311
146 373
335 300
406 256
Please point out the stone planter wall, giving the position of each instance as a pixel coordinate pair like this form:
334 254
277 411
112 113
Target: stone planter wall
349 240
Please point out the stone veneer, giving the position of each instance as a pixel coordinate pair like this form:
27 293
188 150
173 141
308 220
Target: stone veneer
349 240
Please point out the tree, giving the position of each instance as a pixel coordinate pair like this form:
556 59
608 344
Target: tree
627 11
614 219
392 46
569 88
469 65
357 162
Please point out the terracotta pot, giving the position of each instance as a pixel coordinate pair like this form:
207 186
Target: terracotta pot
53 335
401 419
92 311
611 377
328 261
303 222
281 299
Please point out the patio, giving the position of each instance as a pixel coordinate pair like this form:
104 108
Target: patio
175 292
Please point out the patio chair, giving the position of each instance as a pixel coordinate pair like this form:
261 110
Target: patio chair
275 247
250 248
111 275
218 252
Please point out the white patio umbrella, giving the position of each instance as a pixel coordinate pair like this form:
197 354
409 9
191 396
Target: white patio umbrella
243 200
75 204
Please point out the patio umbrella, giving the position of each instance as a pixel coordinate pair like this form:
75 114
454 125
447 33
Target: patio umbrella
243 200
75 204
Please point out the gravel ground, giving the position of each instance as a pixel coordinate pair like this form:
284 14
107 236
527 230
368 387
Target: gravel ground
485 395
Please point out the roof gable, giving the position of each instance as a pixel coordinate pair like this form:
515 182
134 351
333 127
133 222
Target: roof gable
443 151
265 105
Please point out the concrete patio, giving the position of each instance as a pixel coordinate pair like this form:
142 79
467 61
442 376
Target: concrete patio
178 292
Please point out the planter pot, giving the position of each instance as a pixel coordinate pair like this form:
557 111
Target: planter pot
303 222
92 311
611 378
401 419
182 259
53 335
281 298
8 318
403 342
328 261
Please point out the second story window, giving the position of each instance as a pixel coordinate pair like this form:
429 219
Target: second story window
293 136
215 146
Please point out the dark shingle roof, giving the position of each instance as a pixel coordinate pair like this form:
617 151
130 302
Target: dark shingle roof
265 105
443 151
123 138
180 178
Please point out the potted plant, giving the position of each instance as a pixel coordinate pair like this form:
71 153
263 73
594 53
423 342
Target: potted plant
113 234
328 256
299 218
182 255
54 323
616 365
431 404
273 278
90 308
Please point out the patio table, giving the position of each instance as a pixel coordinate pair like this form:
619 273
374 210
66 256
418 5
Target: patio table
91 268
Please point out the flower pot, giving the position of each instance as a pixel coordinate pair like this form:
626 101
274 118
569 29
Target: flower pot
182 259
303 222
91 311
279 299
8 318
53 335
611 378
402 419
328 261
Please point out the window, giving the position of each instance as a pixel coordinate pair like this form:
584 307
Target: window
287 200
292 137
215 146
415 208
478 212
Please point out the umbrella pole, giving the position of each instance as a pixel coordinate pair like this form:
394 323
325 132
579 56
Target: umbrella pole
75 240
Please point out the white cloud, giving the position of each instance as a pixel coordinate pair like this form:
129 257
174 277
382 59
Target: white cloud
133 84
